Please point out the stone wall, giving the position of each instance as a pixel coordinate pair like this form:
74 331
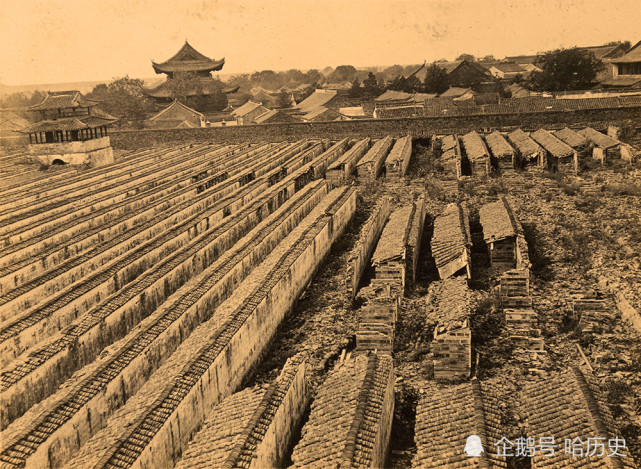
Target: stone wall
422 127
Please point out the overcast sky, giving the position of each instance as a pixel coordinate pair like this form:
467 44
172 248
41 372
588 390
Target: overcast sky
84 40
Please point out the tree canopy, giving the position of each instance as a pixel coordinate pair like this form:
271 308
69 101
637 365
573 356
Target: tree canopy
124 98
436 80
565 69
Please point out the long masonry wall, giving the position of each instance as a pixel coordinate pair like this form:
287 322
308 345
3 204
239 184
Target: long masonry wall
85 338
183 231
158 336
72 270
75 300
421 127
232 354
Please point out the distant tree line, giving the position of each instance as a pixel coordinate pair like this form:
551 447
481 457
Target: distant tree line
125 97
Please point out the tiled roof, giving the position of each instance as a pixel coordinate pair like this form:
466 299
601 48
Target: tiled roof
570 137
63 100
353 111
553 145
374 152
391 244
275 113
446 418
68 123
451 301
451 234
448 142
521 59
344 420
633 55
199 86
176 108
508 67
523 143
188 59
212 445
499 221
623 80
400 111
599 139
248 107
475 148
498 145
236 426
316 99
533 104
323 113
566 406
454 92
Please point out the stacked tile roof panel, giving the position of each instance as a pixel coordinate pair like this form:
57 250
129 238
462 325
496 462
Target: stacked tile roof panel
570 137
566 406
213 444
498 145
451 234
344 420
445 420
599 139
553 145
391 245
523 143
451 301
475 148
499 221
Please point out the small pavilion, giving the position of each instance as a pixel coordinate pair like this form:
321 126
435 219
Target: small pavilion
70 130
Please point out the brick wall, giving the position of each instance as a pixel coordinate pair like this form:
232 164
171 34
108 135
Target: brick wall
416 127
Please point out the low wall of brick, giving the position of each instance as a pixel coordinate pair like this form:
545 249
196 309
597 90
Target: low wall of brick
417 127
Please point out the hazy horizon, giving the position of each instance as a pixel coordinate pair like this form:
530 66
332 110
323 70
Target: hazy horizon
67 41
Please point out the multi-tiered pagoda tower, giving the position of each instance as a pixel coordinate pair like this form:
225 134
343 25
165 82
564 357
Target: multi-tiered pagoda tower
71 130
202 88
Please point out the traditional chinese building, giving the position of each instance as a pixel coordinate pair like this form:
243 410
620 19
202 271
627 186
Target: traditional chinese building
70 130
198 85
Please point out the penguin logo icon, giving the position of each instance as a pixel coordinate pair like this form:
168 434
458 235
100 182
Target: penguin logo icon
473 446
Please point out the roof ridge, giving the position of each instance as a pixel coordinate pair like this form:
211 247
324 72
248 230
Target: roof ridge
359 415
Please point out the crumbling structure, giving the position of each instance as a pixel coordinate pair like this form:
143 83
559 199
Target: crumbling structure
254 427
451 241
502 153
529 153
477 155
452 344
570 406
451 155
398 159
370 165
559 155
343 167
604 147
503 235
396 255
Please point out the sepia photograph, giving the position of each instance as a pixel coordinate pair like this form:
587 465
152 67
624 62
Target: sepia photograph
320 234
